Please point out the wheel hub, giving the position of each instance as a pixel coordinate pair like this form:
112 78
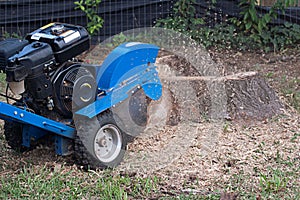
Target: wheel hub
108 143
102 142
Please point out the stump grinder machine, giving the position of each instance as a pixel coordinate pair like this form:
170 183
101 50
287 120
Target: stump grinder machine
52 95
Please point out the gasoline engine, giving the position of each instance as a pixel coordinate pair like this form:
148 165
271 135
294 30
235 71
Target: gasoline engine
42 69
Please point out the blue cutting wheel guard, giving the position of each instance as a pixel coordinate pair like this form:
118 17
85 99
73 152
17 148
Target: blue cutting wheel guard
128 67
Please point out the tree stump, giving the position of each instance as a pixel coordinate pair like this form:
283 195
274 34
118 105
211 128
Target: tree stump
197 97
252 98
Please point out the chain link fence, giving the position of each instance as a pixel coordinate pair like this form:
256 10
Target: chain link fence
20 17
23 16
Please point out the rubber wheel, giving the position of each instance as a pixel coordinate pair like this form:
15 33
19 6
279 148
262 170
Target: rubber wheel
13 135
99 143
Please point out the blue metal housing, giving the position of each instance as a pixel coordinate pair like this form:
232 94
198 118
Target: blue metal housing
128 67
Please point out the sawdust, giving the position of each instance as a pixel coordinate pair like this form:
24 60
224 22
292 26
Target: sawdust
200 154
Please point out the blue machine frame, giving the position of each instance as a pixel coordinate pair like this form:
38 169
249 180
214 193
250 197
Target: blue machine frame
128 67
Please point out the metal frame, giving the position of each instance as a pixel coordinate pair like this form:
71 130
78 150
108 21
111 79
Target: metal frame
36 126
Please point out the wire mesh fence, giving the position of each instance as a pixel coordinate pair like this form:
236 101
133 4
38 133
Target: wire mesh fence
23 16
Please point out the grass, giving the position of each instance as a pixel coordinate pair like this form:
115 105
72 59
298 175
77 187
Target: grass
280 182
47 183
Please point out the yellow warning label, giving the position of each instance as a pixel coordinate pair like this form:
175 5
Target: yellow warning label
46 26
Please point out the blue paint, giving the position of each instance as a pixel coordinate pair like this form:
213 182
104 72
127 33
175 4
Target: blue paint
31 132
24 117
62 145
119 64
128 67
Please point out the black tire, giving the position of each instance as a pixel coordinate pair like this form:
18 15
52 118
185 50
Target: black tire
13 135
102 135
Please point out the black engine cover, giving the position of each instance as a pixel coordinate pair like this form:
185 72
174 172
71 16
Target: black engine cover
31 62
66 40
8 48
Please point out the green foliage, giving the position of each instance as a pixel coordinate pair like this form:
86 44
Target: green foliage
280 37
251 32
6 35
121 38
224 36
90 8
254 22
118 39
257 25
2 78
184 19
